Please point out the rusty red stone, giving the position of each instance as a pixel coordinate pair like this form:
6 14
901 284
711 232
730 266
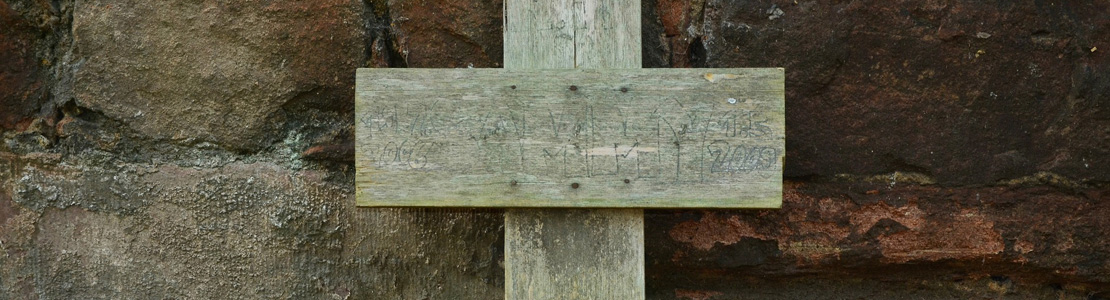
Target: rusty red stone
343 152
836 225
448 33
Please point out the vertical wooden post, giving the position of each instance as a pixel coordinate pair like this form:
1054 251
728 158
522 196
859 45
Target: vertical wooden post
573 253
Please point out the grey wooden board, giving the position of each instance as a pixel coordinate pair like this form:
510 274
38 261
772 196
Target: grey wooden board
565 34
570 138
574 254
539 34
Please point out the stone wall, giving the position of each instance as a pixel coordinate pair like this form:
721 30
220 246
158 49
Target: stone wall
203 149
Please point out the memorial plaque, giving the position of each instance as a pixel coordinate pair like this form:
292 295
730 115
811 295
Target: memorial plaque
659 138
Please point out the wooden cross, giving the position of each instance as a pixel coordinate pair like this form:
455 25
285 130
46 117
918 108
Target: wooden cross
571 122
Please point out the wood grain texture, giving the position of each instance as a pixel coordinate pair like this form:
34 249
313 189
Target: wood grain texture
540 34
606 259
574 254
570 138
607 34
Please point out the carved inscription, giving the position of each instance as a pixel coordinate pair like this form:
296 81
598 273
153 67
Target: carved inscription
592 139
665 141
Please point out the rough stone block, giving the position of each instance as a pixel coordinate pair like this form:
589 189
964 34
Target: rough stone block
965 92
19 84
1033 235
214 71
448 33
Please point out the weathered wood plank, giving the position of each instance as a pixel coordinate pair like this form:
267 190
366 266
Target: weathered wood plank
570 138
574 254
568 253
555 82
539 34
607 34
